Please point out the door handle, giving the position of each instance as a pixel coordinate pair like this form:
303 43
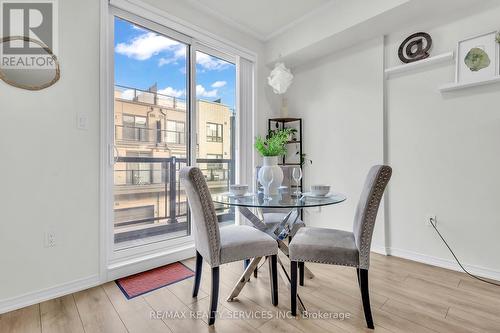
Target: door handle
113 154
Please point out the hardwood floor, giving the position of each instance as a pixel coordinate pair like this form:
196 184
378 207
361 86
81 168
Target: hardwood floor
406 297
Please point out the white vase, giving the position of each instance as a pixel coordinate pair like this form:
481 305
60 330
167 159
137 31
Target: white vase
271 162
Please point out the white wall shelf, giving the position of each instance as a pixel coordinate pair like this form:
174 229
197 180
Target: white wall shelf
418 64
458 86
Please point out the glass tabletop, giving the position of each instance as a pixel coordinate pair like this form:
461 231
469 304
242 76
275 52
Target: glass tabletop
277 201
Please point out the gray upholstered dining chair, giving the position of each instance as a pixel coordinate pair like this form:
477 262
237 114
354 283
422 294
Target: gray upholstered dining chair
337 247
227 244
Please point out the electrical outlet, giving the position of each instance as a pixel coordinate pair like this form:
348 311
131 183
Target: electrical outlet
50 239
429 218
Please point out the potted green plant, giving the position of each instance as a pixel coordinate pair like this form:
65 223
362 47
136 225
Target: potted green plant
273 146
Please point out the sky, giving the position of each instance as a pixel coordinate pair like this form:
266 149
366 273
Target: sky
143 58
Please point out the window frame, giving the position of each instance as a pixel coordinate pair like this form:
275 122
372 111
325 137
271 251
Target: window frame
137 129
219 137
179 138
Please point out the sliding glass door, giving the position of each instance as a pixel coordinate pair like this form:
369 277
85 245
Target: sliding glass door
173 105
216 122
151 118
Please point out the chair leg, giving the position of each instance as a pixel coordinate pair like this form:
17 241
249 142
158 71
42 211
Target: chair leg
214 295
197 274
293 287
301 273
359 281
255 272
273 275
246 262
301 266
365 294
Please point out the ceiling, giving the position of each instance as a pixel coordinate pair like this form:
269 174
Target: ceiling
262 19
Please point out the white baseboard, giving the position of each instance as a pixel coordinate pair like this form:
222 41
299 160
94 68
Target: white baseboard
379 250
117 271
35 297
145 263
439 262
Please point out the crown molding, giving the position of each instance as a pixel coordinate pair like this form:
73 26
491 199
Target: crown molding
229 21
298 20
245 29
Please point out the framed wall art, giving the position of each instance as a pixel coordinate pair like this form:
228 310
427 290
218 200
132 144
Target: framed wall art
478 58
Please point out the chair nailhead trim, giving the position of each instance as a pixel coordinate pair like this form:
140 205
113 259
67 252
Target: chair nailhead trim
383 177
323 262
199 182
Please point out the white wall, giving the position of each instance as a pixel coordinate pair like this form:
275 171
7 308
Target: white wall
50 170
341 100
444 149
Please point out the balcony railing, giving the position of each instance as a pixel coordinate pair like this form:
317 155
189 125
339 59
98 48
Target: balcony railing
150 201
149 97
155 98
153 136
211 138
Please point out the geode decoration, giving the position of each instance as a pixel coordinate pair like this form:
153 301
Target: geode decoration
477 59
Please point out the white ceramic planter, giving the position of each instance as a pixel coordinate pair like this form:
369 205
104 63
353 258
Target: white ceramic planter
271 162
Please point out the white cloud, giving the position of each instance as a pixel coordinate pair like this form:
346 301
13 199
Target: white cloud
169 91
219 84
164 61
145 46
209 62
149 44
136 27
128 94
179 53
202 92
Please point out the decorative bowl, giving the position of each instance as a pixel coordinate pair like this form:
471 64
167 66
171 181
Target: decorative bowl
238 190
320 190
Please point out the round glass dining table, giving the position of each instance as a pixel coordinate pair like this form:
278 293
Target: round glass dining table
282 201
278 201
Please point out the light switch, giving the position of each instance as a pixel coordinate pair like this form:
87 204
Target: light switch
82 121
